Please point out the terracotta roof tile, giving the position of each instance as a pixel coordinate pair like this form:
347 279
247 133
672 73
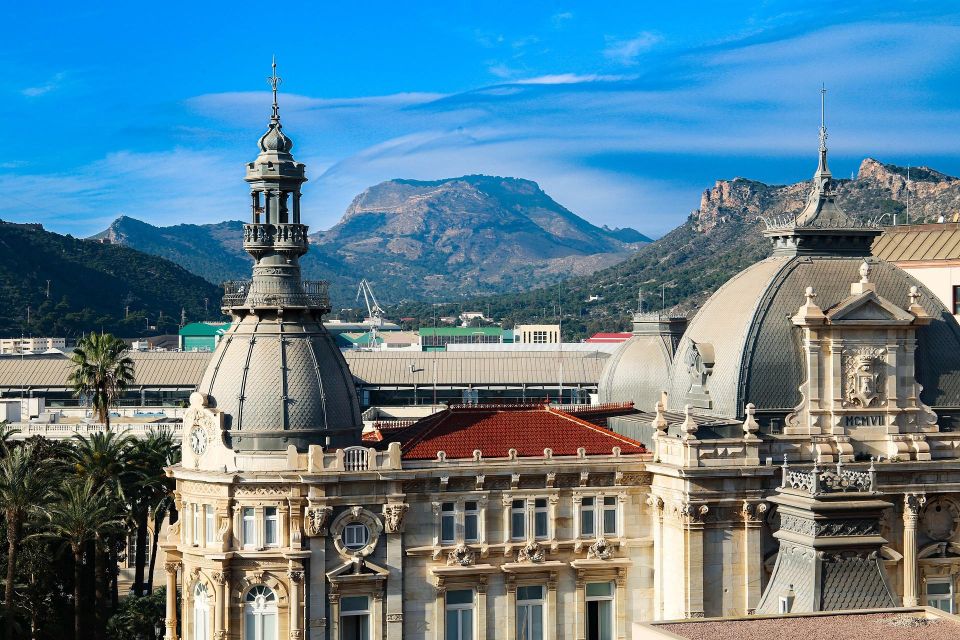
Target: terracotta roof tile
494 430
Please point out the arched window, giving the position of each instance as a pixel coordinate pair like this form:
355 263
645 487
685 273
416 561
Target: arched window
201 613
260 614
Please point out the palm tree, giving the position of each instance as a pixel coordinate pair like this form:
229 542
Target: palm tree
24 489
83 515
101 372
105 459
150 457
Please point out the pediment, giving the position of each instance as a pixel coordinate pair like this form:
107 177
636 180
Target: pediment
868 308
357 569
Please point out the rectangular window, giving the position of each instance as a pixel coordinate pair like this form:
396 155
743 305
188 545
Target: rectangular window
355 618
196 524
471 521
530 613
249 528
599 597
588 516
356 536
209 524
518 520
610 515
271 526
540 528
956 300
447 523
940 594
459 618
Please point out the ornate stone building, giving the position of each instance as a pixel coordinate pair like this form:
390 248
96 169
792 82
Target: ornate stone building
509 522
539 523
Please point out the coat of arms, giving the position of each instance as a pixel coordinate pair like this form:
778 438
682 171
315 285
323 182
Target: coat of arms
863 383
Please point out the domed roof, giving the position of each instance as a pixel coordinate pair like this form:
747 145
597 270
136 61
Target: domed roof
282 382
275 140
640 367
752 351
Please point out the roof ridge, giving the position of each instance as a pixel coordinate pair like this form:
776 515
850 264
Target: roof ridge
597 429
427 429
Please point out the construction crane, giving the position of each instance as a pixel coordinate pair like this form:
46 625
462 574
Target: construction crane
374 311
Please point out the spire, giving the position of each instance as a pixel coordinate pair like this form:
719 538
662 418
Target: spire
275 141
275 81
822 169
822 227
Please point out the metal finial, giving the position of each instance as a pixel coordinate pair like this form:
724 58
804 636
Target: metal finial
823 119
275 81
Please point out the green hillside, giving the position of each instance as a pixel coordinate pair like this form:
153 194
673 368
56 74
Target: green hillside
92 286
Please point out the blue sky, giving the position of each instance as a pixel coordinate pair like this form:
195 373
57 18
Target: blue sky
622 111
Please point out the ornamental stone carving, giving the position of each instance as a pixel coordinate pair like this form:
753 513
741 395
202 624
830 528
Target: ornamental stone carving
863 377
531 552
940 519
315 520
462 556
393 516
600 550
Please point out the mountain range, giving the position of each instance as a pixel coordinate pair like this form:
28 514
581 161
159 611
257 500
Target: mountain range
415 240
722 237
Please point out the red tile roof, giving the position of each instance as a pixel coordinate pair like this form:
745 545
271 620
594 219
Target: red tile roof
495 429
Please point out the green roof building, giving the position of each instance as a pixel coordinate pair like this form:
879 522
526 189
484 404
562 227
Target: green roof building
201 336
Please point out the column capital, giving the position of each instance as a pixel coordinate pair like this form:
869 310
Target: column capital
296 576
219 578
172 567
912 504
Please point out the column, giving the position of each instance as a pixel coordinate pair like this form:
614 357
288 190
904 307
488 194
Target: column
912 503
511 612
334 624
394 515
219 580
621 602
580 617
481 608
752 514
439 609
656 515
551 617
171 619
296 609
693 559
317 591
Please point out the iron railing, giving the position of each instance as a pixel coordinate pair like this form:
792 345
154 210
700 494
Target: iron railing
313 294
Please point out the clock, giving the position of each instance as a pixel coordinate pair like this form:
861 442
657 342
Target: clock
198 440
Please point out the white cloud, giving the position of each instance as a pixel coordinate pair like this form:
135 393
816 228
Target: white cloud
572 78
52 84
560 18
627 51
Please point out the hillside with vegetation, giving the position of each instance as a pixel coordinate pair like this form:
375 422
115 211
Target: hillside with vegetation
64 286
720 238
415 240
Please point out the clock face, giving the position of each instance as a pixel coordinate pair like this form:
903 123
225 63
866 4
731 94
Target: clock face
198 440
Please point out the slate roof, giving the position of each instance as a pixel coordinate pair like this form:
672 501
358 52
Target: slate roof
495 429
637 372
758 356
920 242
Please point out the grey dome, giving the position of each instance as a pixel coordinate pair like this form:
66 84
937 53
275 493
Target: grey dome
640 367
280 383
755 351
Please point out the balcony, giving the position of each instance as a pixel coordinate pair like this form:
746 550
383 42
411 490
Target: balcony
250 294
260 237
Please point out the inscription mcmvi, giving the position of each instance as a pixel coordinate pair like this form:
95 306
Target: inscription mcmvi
864 421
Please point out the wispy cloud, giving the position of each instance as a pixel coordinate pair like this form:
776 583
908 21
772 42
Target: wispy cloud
52 84
573 78
560 18
628 51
